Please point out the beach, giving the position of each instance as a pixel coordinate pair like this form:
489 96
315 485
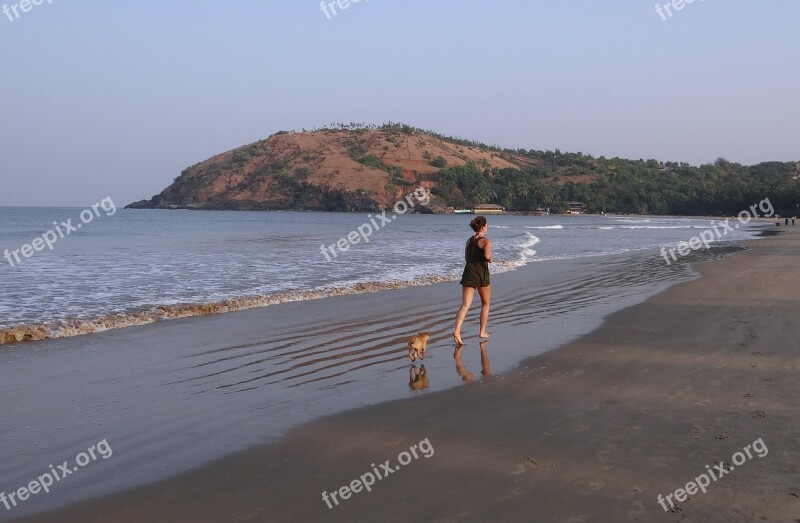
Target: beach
595 430
235 268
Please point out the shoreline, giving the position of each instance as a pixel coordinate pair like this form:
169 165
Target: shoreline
153 312
589 403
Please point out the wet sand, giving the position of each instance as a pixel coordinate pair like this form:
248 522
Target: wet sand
593 431
172 396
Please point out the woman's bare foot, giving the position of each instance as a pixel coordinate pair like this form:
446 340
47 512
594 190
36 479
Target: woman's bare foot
457 338
484 335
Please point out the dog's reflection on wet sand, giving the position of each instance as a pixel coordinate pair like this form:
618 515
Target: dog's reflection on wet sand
418 379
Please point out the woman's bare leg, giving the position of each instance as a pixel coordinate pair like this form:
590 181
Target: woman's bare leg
486 298
467 294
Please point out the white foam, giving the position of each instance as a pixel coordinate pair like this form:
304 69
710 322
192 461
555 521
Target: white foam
634 220
656 226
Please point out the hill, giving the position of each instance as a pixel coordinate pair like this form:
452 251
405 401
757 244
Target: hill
329 169
367 168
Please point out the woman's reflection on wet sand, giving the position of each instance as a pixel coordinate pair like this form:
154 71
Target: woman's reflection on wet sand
462 370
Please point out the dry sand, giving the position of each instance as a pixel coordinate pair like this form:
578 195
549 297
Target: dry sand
593 431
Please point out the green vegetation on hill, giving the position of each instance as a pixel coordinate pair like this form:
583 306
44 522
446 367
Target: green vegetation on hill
547 179
623 186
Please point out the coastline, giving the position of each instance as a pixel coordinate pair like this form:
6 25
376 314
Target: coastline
594 429
211 294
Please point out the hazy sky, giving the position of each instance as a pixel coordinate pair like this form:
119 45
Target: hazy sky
116 98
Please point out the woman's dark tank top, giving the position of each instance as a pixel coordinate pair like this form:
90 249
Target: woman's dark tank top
473 253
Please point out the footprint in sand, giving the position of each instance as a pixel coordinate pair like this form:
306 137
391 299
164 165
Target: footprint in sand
766 378
748 395
639 511
662 461
698 431
514 493
759 414
724 466
522 468
595 486
601 454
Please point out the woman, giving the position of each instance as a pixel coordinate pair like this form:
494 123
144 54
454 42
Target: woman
478 254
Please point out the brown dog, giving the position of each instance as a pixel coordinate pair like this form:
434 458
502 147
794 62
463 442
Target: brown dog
417 345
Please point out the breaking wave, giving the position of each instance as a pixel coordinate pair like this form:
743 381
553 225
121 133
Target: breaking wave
523 250
78 327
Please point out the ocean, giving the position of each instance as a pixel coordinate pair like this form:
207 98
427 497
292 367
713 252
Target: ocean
135 267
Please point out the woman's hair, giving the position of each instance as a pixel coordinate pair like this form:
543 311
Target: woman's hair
477 223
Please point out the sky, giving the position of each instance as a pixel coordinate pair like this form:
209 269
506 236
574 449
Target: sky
117 98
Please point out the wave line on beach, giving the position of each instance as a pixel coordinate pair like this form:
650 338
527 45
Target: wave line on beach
79 327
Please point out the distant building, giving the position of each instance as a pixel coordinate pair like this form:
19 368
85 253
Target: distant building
488 208
576 207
